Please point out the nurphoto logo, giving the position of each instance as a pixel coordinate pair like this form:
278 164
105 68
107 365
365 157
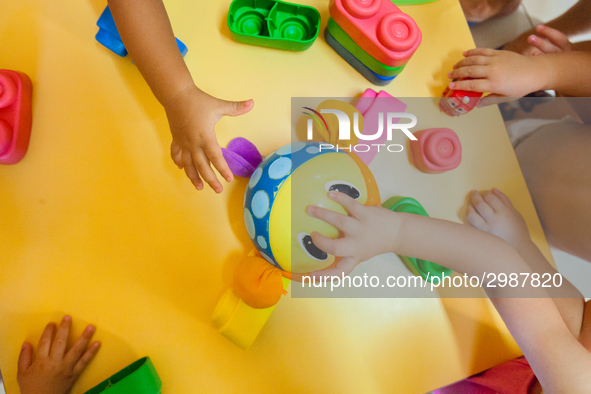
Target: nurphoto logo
391 120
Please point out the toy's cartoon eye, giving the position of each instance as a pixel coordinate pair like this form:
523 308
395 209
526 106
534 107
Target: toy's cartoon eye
310 249
343 187
461 110
453 104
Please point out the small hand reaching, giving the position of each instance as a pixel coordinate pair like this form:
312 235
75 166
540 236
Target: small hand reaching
502 73
549 40
192 116
53 370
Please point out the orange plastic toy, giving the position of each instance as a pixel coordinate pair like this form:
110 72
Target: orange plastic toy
15 115
436 151
379 28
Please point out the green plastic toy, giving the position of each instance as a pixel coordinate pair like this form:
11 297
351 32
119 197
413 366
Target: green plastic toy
138 378
369 61
274 24
424 268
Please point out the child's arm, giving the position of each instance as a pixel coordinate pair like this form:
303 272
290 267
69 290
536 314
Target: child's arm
494 213
561 364
509 74
573 22
53 370
192 114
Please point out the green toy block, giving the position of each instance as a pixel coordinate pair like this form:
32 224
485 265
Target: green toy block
369 61
274 24
138 378
426 269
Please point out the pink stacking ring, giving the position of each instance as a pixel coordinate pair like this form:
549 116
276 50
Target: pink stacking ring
443 148
437 150
362 9
8 90
5 136
398 32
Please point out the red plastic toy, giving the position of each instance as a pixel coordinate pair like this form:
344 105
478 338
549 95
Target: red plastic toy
379 28
436 151
458 102
15 115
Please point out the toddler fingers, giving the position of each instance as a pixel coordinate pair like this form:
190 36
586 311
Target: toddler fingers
58 349
176 154
493 201
469 72
80 346
205 171
25 358
46 340
556 37
542 45
214 154
493 99
191 171
480 52
343 268
237 108
473 61
355 208
86 358
473 85
502 196
481 206
474 218
336 247
344 223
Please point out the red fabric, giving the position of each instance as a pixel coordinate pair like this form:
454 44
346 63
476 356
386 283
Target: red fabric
511 377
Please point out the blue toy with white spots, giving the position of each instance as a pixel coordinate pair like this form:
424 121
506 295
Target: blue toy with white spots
283 185
264 186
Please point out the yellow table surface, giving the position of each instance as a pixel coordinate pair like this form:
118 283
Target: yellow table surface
97 221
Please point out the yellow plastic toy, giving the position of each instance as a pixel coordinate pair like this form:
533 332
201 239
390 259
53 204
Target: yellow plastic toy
275 201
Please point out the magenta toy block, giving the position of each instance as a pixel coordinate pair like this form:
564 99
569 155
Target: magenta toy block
436 151
379 28
370 105
15 115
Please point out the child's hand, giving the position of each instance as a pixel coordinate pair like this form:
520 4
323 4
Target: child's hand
494 213
192 115
53 370
368 232
549 40
501 73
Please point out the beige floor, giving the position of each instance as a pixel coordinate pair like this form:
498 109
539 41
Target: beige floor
494 33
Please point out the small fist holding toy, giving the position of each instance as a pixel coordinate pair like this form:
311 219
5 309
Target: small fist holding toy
53 370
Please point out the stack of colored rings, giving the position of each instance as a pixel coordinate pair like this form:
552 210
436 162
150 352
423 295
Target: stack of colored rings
373 36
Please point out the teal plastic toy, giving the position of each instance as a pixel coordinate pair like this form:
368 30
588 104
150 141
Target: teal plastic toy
138 378
369 61
274 24
424 268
